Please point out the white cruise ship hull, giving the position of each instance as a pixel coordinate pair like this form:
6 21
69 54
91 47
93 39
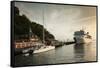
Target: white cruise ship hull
47 48
83 40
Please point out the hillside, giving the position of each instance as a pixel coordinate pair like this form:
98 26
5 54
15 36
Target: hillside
22 25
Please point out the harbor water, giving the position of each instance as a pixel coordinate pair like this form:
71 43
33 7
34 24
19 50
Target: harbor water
64 54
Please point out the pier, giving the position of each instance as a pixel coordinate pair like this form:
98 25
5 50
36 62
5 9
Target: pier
64 43
71 42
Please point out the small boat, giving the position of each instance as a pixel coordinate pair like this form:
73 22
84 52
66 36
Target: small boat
37 48
27 54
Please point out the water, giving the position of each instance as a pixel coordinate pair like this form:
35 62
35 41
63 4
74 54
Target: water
64 54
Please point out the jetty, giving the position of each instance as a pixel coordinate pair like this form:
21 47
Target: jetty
58 43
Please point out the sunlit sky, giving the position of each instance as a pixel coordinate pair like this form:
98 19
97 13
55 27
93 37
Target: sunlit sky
61 20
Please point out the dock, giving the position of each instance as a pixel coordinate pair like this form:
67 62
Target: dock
64 43
68 43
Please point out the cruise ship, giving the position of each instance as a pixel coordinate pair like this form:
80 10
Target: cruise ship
82 37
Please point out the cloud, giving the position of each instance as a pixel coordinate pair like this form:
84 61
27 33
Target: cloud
60 20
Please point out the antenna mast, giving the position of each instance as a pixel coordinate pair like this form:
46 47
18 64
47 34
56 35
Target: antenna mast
43 27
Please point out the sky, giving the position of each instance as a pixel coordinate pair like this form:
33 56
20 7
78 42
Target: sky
61 20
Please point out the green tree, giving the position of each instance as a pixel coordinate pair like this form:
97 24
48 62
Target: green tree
22 25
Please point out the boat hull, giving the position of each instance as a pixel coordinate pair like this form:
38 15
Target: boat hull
82 40
44 49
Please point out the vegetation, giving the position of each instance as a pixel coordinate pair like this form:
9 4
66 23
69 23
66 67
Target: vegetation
22 25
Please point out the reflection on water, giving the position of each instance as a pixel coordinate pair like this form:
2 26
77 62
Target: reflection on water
79 52
64 54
